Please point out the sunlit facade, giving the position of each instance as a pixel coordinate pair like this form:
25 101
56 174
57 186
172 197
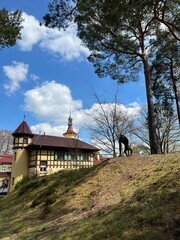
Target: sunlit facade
36 154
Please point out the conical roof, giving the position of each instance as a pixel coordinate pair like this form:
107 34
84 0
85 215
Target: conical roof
70 132
23 129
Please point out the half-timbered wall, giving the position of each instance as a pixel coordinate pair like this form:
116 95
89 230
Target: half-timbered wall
50 161
21 141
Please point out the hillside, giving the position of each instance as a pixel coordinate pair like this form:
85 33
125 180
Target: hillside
127 198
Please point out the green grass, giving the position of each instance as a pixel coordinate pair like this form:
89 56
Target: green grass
135 198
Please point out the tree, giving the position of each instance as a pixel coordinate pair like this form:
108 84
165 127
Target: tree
164 114
141 149
164 13
166 69
167 131
119 34
6 141
10 27
108 121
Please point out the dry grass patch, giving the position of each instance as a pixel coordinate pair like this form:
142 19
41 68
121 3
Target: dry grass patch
124 198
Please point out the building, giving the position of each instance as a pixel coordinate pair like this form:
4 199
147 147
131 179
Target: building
5 172
39 154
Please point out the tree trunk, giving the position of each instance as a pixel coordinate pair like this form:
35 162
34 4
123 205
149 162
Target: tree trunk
114 151
177 96
120 149
151 118
176 91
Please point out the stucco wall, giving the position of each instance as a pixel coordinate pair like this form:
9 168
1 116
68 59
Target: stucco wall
20 166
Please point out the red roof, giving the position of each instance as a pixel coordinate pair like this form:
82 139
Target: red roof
6 158
60 142
22 129
5 174
70 131
52 141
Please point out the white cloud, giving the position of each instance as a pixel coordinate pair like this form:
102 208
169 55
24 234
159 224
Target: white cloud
32 33
34 77
16 73
51 102
132 110
48 129
65 44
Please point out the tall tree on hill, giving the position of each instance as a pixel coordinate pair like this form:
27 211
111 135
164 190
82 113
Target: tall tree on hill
10 27
119 35
166 70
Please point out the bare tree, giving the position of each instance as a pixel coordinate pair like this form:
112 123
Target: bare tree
141 149
168 133
108 121
6 141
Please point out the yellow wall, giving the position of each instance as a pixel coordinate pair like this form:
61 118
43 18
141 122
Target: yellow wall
27 163
64 165
70 135
20 166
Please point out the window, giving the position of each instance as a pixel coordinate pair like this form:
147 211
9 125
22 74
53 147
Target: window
55 155
8 169
79 157
84 156
67 156
16 142
43 169
3 169
90 156
25 140
58 155
43 166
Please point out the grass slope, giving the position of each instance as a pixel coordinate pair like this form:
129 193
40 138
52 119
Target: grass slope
134 198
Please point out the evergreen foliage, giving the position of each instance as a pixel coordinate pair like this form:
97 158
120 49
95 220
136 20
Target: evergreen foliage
166 72
120 35
10 27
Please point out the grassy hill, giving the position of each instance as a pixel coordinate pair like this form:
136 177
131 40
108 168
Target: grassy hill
127 198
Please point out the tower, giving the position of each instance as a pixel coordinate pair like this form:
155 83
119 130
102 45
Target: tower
20 165
70 132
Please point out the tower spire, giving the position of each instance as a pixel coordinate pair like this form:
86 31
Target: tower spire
70 121
70 132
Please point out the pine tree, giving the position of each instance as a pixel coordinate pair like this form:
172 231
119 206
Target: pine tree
10 27
119 34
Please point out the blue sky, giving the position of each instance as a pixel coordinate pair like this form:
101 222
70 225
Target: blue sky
47 75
